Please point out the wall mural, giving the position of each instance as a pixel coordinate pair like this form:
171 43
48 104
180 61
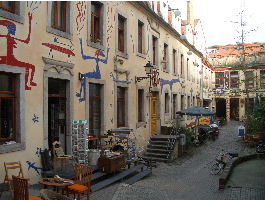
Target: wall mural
10 58
81 16
33 5
95 74
32 165
35 118
59 46
168 82
118 81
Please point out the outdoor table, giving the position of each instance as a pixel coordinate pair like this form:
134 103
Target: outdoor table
52 182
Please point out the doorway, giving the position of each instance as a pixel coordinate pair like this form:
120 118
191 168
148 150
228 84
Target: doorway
234 109
57 112
154 114
220 108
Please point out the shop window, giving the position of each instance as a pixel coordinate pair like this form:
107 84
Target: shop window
249 79
166 103
140 105
94 108
262 79
9 6
154 49
7 107
121 112
234 79
121 33
140 36
219 79
96 22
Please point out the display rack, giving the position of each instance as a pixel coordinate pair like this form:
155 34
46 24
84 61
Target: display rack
80 140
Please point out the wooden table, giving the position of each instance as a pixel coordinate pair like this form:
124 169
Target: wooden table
51 182
111 164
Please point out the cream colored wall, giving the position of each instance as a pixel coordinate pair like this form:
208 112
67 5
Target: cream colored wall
34 51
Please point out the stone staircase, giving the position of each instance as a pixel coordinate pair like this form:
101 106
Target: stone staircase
160 148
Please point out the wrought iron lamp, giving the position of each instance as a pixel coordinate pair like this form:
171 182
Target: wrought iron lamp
152 75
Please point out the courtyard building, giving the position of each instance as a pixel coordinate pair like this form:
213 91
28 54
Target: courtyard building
65 61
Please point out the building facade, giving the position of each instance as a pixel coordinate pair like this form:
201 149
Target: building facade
239 78
64 61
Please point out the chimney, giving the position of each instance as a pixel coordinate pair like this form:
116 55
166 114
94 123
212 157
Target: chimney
190 16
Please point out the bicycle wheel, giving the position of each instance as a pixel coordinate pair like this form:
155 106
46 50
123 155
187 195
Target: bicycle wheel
215 169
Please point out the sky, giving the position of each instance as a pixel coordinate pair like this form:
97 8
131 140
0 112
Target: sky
219 16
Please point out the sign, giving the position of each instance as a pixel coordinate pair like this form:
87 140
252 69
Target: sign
204 120
219 90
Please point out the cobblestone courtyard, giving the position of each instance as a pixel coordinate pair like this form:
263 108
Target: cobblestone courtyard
188 178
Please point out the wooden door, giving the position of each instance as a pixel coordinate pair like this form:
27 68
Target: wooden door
154 114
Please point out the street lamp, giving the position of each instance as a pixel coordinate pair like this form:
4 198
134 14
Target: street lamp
152 75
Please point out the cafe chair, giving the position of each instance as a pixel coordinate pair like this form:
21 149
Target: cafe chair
21 189
12 168
82 186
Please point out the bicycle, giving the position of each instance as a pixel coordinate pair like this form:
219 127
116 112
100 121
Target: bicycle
221 161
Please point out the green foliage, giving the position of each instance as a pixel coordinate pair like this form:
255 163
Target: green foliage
187 131
256 123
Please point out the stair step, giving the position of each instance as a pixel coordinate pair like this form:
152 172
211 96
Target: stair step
164 137
155 146
156 159
156 154
161 142
138 176
160 150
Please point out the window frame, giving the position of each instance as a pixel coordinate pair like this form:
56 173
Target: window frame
13 10
68 33
249 81
175 105
165 58
174 61
236 84
182 65
154 50
18 15
219 79
140 46
20 144
167 100
123 101
102 26
56 22
188 68
122 53
262 78
140 108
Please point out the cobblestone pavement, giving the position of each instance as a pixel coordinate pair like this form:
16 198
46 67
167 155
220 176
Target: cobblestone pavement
188 178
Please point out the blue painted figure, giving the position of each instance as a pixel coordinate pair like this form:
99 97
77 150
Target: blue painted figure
168 82
32 165
35 118
95 74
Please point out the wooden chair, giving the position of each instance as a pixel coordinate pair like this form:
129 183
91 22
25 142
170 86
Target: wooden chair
12 168
82 182
21 189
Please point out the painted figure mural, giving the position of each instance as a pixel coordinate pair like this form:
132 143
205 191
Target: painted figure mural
10 59
95 74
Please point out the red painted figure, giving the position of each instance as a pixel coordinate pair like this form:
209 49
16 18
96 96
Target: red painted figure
10 59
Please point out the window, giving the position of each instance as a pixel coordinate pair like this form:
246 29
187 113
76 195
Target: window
188 102
140 36
174 105
165 54
249 79
188 69
121 107
262 78
154 48
58 16
96 22
249 105
219 79
9 6
234 79
121 33
182 102
182 64
94 108
174 62
7 107
166 103
140 105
